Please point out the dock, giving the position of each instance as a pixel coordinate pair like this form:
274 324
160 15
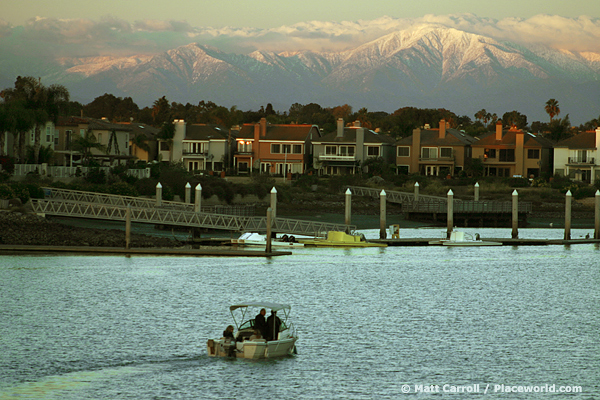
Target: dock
505 242
183 252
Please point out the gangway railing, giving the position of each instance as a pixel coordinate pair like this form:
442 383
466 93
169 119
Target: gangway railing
497 207
394 196
141 202
162 216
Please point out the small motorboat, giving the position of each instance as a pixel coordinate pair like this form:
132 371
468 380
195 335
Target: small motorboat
341 239
458 238
257 239
245 344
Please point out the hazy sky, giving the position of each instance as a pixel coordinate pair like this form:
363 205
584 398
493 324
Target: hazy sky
275 13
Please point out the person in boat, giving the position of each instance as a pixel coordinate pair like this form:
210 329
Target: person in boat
228 332
285 238
256 335
292 239
273 325
260 322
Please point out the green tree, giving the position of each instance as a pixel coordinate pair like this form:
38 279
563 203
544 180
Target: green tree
552 108
161 112
559 129
515 118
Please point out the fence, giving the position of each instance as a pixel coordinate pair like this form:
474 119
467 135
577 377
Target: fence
68 172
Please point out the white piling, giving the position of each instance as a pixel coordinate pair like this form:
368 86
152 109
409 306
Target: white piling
382 214
198 198
450 218
348 210
188 193
158 194
515 215
274 202
568 201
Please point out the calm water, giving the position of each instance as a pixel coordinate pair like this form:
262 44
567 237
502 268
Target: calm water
370 321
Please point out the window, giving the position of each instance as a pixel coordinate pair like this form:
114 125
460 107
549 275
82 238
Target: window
533 153
48 135
297 149
330 150
446 152
346 151
275 149
429 153
404 151
489 153
100 137
82 132
244 146
402 169
164 146
507 155
68 134
373 151
286 148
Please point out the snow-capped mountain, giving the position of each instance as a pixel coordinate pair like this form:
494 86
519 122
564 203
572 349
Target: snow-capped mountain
427 66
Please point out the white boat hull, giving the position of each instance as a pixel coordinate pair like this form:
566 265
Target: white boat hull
251 349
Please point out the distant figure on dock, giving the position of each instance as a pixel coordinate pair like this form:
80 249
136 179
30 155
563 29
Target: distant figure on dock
587 235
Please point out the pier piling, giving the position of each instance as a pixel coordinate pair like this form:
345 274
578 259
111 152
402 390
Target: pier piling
568 201
382 214
450 213
515 215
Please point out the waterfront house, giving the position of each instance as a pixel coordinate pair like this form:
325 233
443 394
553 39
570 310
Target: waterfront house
513 152
143 144
113 137
200 147
274 148
348 147
578 157
48 135
438 151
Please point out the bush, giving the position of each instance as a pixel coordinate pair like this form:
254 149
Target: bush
21 191
122 189
6 192
96 175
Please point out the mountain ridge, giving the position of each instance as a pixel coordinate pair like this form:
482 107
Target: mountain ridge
426 66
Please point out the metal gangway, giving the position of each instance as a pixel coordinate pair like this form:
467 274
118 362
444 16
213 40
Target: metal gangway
434 204
69 203
399 197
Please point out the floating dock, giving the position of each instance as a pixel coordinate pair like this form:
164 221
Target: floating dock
184 252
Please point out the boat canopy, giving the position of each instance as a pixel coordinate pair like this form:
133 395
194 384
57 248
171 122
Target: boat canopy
262 304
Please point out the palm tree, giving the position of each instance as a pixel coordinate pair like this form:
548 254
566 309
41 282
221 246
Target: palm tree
140 141
481 115
552 108
85 144
43 102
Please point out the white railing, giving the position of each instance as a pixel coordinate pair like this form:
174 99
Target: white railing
67 172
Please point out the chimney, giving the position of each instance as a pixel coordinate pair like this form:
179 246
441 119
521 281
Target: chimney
357 124
426 126
519 152
340 128
263 127
360 144
415 151
499 130
442 128
597 139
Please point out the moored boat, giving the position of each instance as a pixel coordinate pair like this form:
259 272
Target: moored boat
246 343
459 238
257 239
341 239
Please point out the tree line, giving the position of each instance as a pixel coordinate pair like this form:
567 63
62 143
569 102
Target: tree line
30 104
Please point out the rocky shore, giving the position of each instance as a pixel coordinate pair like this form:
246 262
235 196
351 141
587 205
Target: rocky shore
18 228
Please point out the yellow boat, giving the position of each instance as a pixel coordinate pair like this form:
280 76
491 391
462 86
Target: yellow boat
341 239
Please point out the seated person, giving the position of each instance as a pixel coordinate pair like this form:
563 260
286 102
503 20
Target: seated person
285 238
228 332
256 335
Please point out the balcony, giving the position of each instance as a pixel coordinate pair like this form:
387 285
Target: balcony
195 153
335 157
581 161
437 159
